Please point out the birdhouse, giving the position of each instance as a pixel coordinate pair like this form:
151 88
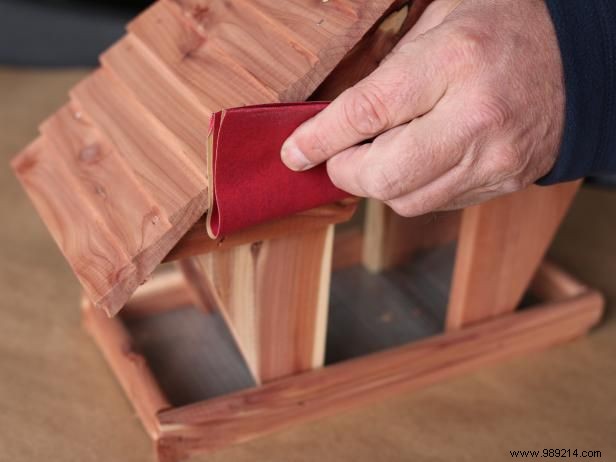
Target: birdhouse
300 316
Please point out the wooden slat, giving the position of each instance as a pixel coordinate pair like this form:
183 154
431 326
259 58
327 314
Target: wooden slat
105 182
243 35
129 367
389 239
161 93
151 150
160 166
274 295
319 26
197 242
251 413
210 37
211 76
95 255
500 246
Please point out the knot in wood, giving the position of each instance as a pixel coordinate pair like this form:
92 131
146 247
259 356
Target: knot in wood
255 248
89 154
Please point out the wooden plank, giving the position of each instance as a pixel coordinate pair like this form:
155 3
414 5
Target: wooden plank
129 367
241 416
274 296
156 161
162 93
389 239
155 155
552 283
328 30
215 79
246 36
197 242
500 247
168 290
95 255
208 44
106 183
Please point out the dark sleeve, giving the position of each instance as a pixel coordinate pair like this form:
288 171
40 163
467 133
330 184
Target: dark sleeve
586 31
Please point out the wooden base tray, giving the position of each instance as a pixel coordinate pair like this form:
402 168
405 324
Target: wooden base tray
193 392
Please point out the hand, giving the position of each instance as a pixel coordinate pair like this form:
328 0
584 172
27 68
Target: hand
469 105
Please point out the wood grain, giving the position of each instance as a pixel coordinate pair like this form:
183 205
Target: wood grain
214 78
96 256
130 368
141 120
162 94
274 295
251 413
501 245
390 239
197 242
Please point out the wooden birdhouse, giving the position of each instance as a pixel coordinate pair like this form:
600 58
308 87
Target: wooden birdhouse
295 318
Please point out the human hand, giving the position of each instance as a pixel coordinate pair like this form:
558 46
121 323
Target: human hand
468 106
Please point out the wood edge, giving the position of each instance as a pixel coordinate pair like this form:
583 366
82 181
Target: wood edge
322 310
374 226
197 242
130 368
201 295
551 282
347 247
205 295
147 261
165 291
185 430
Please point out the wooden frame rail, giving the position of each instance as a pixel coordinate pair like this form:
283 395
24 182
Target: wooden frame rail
570 310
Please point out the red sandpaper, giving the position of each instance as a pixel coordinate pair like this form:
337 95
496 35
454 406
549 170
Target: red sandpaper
248 183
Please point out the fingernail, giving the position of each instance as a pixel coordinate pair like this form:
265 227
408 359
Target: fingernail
294 158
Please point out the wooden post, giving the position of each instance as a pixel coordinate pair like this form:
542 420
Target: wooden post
500 246
389 239
274 295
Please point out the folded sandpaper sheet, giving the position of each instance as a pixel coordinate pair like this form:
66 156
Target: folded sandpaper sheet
248 182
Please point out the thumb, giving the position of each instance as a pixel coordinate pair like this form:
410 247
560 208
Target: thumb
406 85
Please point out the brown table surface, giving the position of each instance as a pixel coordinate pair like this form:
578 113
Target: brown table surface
60 402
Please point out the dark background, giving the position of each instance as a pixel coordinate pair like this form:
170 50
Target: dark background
61 32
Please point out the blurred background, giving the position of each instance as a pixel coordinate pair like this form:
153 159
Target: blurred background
72 33
58 33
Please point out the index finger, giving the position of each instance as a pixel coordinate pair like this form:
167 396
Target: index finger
407 85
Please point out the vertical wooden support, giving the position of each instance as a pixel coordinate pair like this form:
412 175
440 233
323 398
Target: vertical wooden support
274 296
500 246
389 238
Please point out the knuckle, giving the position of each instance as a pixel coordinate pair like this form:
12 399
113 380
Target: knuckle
489 113
465 46
507 162
365 110
512 185
470 42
